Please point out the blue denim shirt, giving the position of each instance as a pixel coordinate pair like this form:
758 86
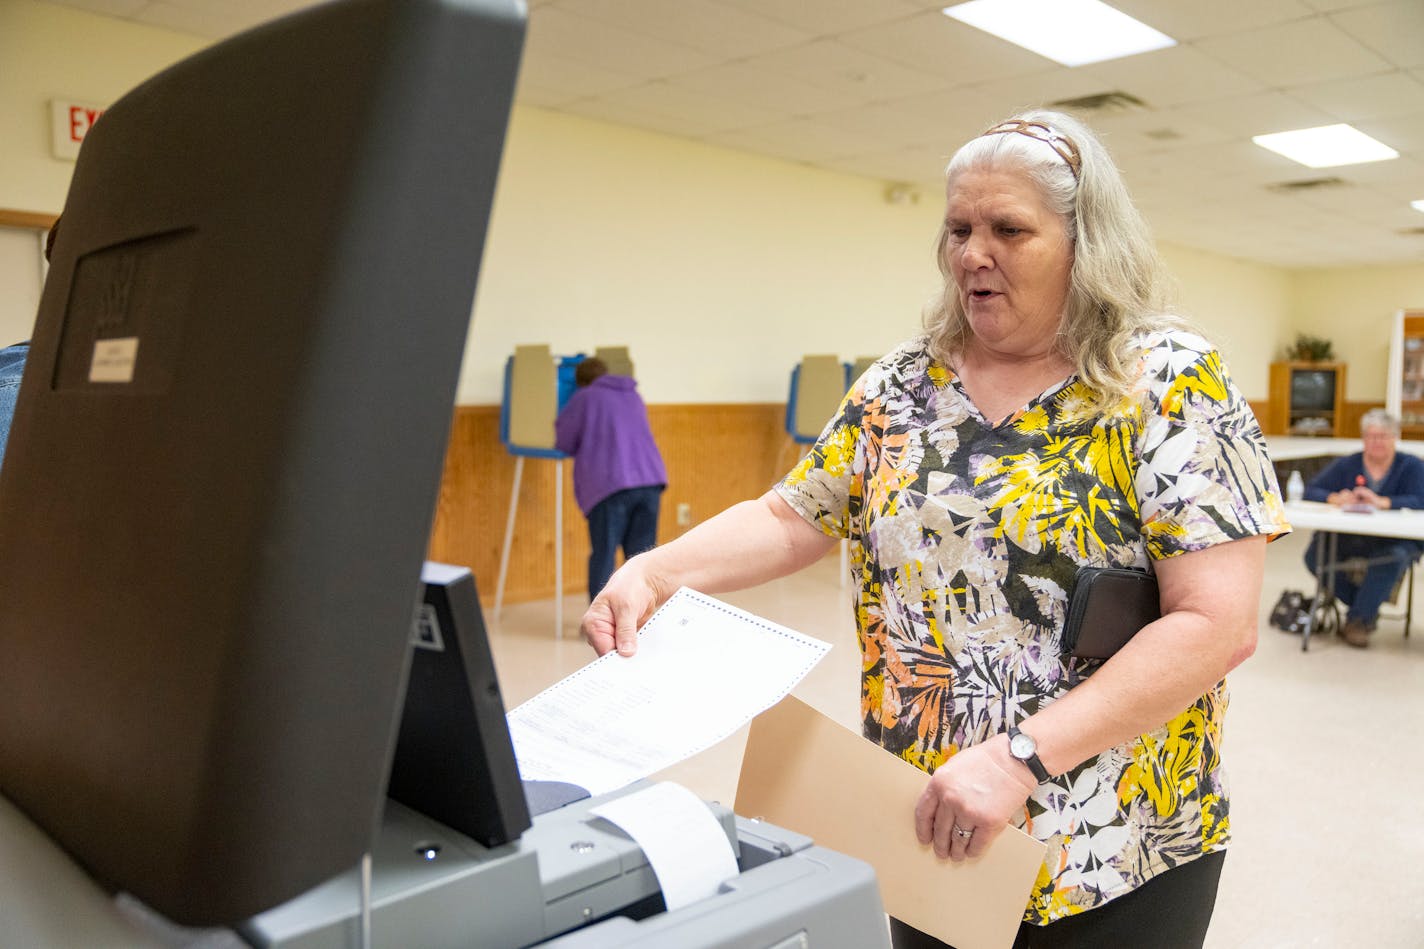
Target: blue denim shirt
12 367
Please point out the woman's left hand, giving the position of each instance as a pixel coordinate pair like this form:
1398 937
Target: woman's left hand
977 790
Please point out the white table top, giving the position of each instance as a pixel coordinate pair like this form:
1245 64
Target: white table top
1316 515
1295 447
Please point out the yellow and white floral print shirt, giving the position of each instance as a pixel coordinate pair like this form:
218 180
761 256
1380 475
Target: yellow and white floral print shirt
966 538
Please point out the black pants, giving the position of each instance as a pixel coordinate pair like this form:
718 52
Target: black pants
1171 911
627 519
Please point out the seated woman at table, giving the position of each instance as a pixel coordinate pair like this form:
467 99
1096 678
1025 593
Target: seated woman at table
1378 478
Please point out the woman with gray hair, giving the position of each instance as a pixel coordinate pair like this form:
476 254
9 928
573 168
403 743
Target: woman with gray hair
1052 418
1378 478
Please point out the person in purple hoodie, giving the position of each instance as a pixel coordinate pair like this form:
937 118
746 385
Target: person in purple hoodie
618 472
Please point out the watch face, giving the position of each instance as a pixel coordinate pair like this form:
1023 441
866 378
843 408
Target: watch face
1022 746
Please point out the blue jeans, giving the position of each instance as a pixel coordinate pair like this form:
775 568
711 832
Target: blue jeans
12 367
1365 598
627 519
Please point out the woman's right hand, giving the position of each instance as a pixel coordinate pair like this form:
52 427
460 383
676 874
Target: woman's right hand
613 618
749 543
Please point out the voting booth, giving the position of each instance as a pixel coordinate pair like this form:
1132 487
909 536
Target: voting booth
236 697
536 386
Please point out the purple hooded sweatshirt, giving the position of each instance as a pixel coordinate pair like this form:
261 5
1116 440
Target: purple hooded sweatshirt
604 426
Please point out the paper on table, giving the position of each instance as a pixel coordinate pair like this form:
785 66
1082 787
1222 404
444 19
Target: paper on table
702 670
807 773
684 843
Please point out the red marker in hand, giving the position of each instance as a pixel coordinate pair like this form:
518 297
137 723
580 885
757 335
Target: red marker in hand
1359 481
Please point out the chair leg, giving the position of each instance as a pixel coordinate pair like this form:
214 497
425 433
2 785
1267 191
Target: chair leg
1409 602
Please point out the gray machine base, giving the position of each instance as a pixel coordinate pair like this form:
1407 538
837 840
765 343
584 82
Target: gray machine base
574 881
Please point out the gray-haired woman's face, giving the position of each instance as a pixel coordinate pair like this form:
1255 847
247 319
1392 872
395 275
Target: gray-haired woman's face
1010 257
1379 444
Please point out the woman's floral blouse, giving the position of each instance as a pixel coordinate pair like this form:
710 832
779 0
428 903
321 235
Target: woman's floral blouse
966 538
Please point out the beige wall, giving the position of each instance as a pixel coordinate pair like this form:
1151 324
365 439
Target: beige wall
719 269
1354 309
1244 308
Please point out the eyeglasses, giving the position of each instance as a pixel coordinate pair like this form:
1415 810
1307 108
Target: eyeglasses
1055 140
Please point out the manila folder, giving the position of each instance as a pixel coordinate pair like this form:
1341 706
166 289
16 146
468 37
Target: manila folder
807 773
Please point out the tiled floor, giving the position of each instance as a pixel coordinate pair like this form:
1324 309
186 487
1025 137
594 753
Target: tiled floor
1323 748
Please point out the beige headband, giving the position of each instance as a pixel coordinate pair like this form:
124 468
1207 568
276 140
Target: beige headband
1055 140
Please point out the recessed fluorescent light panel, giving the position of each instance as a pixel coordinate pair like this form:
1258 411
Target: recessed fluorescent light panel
1071 32
1326 146
1417 205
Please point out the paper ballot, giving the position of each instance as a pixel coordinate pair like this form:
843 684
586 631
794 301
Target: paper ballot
703 669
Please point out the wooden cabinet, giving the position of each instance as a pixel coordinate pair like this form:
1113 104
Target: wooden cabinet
1411 374
1306 398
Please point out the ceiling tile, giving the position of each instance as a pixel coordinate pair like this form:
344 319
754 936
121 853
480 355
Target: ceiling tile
853 74
1402 178
884 126
555 79
606 110
828 17
799 139
1394 30
965 111
697 24
1404 133
556 34
1257 115
1172 76
1154 131
1389 94
677 103
116 8
745 81
1327 6
935 44
1296 53
1201 18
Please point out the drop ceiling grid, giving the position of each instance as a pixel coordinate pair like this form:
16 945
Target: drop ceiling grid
888 88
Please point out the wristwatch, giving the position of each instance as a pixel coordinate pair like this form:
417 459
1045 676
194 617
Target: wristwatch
1024 748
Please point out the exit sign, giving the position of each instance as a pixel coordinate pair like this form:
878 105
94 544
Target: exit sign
70 121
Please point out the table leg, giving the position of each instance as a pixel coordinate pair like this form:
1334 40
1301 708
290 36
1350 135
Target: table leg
1325 558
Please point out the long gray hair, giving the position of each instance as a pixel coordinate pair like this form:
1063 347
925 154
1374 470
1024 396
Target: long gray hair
1118 287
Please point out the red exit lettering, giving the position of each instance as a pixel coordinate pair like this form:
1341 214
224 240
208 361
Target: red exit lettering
81 120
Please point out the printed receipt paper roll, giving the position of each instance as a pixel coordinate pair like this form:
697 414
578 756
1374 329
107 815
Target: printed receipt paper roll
683 841
807 773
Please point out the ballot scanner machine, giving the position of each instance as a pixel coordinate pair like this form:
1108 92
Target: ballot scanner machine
573 881
503 862
564 878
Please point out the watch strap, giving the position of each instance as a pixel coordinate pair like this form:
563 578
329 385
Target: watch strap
1034 765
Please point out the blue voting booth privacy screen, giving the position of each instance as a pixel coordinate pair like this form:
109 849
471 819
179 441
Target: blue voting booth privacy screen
522 390
537 385
818 383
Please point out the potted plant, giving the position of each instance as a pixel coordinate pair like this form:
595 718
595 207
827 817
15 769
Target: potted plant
1310 349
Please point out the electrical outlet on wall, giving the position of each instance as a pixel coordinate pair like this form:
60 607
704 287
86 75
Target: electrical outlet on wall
684 514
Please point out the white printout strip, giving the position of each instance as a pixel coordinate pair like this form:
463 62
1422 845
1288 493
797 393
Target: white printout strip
703 669
685 845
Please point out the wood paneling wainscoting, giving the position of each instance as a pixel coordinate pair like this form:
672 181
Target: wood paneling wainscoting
716 455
